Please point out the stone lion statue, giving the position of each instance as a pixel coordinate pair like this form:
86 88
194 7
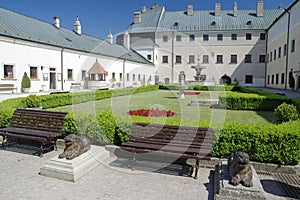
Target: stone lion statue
75 146
239 169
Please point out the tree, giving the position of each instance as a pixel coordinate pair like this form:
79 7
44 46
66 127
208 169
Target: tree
25 81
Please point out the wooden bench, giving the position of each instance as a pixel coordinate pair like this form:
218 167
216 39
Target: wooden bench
76 86
7 87
36 125
166 140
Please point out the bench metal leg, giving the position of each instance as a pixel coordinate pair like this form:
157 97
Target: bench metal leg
196 169
133 163
4 139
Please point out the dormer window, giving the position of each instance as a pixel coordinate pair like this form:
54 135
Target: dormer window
213 23
249 23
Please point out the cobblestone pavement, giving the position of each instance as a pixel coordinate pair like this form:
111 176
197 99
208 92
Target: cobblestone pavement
20 179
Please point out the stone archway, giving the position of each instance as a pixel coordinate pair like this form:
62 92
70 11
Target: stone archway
225 79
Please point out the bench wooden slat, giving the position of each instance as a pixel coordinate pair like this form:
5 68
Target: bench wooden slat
168 140
40 125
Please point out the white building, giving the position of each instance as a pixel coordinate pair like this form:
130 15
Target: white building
284 49
228 43
55 57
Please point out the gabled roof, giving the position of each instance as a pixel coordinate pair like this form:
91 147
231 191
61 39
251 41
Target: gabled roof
26 28
97 69
157 19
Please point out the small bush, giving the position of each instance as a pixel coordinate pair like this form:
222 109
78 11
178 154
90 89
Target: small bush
32 101
286 112
26 83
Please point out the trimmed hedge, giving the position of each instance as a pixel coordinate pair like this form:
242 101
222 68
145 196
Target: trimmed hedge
245 101
278 144
212 88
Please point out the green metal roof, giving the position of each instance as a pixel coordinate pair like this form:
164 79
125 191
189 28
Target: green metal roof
26 28
204 20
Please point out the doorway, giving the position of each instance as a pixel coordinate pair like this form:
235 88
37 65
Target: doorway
52 80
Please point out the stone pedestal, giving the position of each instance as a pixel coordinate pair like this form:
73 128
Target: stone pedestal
223 190
72 170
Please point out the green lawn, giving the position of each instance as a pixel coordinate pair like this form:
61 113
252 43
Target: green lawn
164 99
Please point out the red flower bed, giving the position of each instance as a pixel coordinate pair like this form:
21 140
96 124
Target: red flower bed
190 93
152 113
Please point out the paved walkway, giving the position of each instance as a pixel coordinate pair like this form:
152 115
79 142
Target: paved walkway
20 179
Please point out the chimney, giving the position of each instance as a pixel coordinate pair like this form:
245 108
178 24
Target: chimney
154 5
280 7
260 8
137 17
235 9
126 40
56 22
217 9
110 38
190 10
77 26
144 9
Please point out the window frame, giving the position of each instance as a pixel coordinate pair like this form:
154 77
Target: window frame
248 36
233 59
248 79
205 59
178 59
206 37
219 59
234 36
165 59
36 73
70 74
6 72
248 58
192 37
191 59
220 37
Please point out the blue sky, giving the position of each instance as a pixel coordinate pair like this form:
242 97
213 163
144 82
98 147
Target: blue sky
98 17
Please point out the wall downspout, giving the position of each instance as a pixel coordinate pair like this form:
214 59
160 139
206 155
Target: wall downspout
124 64
287 49
62 67
267 59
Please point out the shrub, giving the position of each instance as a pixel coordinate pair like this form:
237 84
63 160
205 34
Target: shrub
32 101
278 144
245 101
286 112
25 81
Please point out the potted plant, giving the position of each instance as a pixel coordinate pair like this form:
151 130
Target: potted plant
25 84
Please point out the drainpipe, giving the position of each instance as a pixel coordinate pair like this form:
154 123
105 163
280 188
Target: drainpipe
62 67
266 61
287 49
124 63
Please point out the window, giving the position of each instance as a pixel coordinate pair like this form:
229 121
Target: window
277 79
165 59
213 23
149 57
205 37
8 71
113 76
178 38
262 36
282 78
133 77
139 77
275 53
279 52
219 59
271 56
70 74
33 72
268 79
205 59
272 81
220 37
121 76
293 46
165 38
191 59
127 77
233 59
178 59
249 79
233 36
83 74
248 58
262 58
249 23
248 36
192 37
285 50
